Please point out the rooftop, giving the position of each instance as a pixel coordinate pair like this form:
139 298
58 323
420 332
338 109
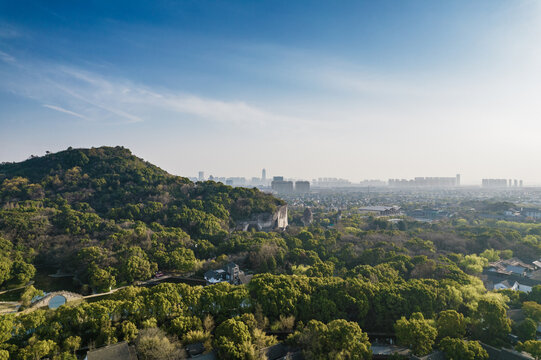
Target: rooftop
119 351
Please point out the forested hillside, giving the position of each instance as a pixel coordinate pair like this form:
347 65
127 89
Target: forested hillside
111 217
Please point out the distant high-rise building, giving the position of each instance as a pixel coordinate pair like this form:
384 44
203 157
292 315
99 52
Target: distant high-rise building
492 183
302 186
426 182
280 186
457 179
263 175
510 183
520 183
330 182
516 183
201 176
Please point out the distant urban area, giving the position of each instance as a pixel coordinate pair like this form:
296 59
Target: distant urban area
283 185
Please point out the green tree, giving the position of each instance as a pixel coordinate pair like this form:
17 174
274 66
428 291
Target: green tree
72 344
532 310
533 347
102 280
4 355
22 272
137 268
490 322
417 333
6 328
473 264
29 293
535 294
181 259
457 349
321 269
526 330
339 339
182 324
450 324
233 341
37 349
5 268
491 255
129 330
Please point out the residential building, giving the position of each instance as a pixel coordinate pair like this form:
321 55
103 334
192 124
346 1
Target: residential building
231 273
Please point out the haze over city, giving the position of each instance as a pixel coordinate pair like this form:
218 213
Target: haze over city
363 90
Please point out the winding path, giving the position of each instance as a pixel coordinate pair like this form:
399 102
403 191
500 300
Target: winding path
71 296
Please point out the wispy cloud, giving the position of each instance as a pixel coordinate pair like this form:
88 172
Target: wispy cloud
89 95
8 32
7 57
65 111
132 101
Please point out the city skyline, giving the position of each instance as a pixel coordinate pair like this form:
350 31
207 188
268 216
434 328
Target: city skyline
362 90
455 181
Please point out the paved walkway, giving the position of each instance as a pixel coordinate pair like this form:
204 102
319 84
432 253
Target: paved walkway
17 288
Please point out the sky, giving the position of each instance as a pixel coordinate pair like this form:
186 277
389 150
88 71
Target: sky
306 89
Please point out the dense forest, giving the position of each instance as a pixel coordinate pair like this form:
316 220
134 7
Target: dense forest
112 219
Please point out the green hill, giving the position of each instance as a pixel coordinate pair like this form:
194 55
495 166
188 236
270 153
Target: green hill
56 207
110 177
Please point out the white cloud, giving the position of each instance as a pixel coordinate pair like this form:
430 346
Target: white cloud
65 111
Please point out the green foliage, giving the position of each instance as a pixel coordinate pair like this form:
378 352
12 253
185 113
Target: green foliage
417 333
153 344
473 264
137 268
450 324
457 349
491 255
526 330
339 339
184 324
113 219
37 349
99 202
533 347
233 341
535 294
532 309
490 322
101 279
6 328
28 294
129 331
72 344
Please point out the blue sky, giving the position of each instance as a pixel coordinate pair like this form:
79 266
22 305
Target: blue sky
306 89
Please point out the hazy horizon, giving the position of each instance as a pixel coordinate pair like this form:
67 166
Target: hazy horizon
364 90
